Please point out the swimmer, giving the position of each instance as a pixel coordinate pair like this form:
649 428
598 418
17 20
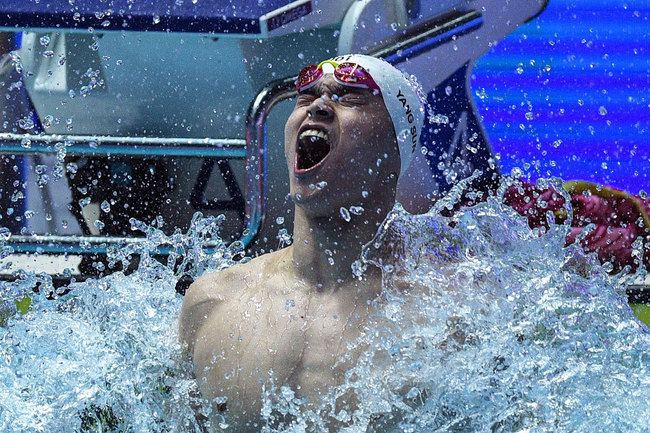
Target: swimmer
284 318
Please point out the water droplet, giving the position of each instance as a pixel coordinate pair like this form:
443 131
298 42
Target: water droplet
602 110
581 102
72 93
84 202
45 41
301 56
279 220
604 165
48 53
41 175
377 18
358 268
156 19
356 210
284 237
321 185
364 194
289 304
448 90
394 26
105 206
557 143
519 70
516 172
64 224
29 214
413 393
98 224
529 115
26 123
345 214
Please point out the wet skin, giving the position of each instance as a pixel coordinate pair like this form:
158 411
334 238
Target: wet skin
285 318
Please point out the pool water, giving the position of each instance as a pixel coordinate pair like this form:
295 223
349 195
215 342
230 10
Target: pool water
507 330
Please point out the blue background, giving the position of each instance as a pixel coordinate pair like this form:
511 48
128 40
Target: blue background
568 94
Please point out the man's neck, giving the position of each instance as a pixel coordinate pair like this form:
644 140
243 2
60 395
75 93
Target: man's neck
324 248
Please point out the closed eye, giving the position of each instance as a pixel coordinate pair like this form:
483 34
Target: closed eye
305 99
354 98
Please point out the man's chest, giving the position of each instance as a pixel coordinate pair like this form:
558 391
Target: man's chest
299 341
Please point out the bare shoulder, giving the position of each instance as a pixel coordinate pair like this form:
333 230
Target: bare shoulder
215 289
215 286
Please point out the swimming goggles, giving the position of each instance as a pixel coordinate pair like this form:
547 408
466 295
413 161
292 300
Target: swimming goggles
347 73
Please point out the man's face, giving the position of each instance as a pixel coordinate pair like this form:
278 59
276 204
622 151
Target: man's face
340 147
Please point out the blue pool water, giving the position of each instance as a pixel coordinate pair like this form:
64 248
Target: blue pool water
509 331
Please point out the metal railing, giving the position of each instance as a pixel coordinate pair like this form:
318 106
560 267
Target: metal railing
113 145
95 145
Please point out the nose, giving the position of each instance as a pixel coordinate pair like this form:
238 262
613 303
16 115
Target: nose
320 109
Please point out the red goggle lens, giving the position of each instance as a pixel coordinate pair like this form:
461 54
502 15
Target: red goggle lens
351 74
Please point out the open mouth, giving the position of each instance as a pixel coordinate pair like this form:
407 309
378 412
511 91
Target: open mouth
313 147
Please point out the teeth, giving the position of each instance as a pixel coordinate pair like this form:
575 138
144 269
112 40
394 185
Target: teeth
314 133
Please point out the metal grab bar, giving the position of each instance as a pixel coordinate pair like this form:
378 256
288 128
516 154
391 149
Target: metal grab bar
256 163
74 244
427 35
229 148
112 145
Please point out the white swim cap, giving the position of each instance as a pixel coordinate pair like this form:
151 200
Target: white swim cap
400 98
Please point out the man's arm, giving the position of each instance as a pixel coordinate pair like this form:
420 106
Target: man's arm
619 218
201 300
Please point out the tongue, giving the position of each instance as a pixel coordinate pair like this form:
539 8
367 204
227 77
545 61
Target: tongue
311 151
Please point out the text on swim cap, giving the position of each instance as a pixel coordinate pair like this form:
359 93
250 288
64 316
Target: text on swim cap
410 117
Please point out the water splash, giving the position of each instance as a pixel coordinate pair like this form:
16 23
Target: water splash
102 355
484 325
